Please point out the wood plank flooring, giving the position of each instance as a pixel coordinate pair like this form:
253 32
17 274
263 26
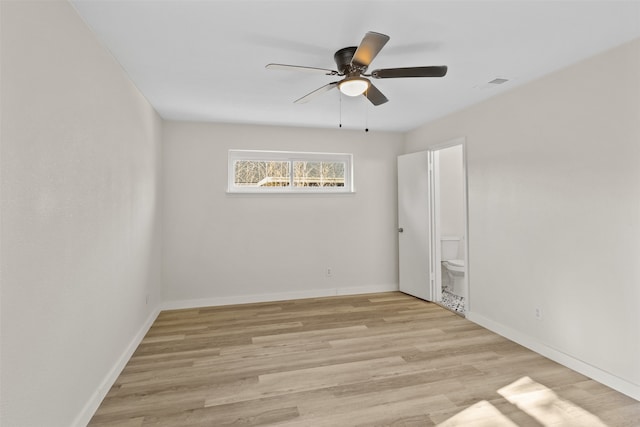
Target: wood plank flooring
367 360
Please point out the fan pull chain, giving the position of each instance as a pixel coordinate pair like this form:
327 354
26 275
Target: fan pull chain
366 112
340 121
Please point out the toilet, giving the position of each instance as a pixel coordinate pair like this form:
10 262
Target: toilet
452 256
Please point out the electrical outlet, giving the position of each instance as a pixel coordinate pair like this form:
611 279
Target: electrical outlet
538 313
329 272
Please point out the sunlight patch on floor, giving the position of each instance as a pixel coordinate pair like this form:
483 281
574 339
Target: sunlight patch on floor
546 406
532 398
482 414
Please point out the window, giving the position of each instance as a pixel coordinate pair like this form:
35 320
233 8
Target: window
289 172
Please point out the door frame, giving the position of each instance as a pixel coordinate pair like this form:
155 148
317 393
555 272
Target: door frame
435 215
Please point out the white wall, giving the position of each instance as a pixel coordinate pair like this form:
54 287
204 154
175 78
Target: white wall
221 248
554 213
451 179
80 163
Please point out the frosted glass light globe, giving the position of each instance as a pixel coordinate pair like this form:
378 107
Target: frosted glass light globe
354 87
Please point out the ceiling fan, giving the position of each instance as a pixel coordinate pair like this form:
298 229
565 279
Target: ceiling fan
353 63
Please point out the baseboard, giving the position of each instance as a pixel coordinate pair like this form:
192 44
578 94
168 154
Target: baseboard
96 399
280 296
619 384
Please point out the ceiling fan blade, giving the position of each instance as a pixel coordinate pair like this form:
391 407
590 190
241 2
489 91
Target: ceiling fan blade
375 96
392 73
315 93
301 68
369 47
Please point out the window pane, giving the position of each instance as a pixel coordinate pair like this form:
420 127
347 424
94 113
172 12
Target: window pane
318 174
257 171
260 173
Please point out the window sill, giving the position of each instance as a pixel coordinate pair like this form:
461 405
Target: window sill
289 192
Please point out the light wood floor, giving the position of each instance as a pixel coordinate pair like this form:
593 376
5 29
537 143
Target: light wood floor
367 360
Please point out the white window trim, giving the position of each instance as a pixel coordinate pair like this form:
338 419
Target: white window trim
289 156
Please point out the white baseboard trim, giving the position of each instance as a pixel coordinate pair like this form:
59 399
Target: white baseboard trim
623 386
281 296
95 400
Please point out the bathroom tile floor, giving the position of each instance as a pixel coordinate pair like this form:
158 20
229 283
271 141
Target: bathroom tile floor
452 301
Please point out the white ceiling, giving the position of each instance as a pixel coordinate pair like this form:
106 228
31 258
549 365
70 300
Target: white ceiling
205 60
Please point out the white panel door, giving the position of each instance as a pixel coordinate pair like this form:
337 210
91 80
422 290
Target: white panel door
414 219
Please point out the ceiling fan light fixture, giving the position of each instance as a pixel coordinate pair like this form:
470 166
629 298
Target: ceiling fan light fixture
354 86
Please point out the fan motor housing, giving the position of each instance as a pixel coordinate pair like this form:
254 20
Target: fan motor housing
343 59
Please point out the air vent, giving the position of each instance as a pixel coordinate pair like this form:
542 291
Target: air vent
498 81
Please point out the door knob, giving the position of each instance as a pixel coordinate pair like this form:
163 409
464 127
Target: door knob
400 230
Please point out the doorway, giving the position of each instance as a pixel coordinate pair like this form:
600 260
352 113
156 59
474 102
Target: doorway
449 237
432 225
